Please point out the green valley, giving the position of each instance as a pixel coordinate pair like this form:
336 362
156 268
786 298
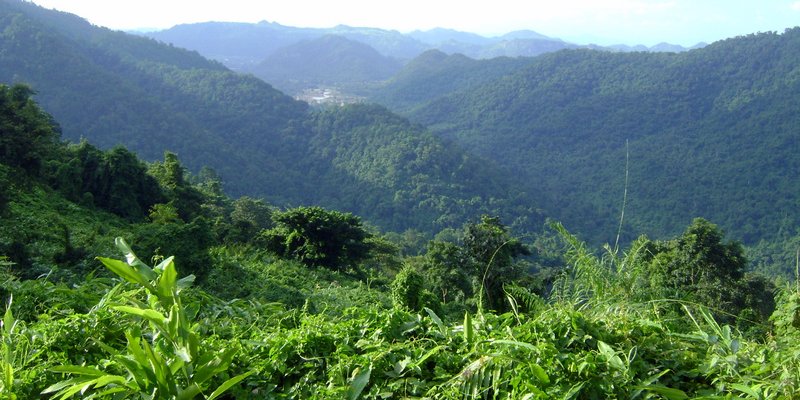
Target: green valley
584 224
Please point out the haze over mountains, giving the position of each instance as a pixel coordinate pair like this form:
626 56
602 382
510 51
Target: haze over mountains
710 132
242 45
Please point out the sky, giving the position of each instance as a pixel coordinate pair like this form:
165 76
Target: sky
648 22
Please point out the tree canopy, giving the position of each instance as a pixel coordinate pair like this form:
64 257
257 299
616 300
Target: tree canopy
318 237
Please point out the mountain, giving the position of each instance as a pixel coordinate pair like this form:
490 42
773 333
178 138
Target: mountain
331 60
112 88
710 132
241 45
524 43
434 74
437 36
524 34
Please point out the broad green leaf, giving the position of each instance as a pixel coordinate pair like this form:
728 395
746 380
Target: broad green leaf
61 385
167 281
573 391
107 379
142 375
436 320
8 375
163 264
190 392
469 335
358 383
214 366
78 370
228 384
540 374
150 315
131 258
8 318
668 392
605 349
81 385
515 343
428 355
746 390
105 393
185 282
127 272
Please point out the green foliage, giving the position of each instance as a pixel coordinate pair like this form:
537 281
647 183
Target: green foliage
697 135
318 237
407 289
27 133
171 176
445 268
654 320
328 61
115 180
248 218
491 251
699 266
168 358
434 74
187 241
19 350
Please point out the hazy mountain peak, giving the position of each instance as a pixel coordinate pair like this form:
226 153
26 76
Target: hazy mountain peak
526 34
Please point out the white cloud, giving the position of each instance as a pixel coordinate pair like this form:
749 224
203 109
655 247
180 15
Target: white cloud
795 6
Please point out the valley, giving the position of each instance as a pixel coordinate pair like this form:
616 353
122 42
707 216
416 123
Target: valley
258 211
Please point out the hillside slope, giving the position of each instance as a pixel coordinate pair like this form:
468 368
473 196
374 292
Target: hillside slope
112 88
328 61
711 132
435 74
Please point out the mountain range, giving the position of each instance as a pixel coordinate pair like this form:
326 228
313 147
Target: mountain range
578 135
272 51
711 132
112 88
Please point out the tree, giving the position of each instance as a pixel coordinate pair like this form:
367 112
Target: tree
702 267
171 175
318 237
248 218
483 262
492 252
123 185
27 133
445 275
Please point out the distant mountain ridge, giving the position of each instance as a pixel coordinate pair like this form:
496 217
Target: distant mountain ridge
242 45
330 60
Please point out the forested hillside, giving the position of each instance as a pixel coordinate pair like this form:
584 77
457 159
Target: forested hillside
260 302
435 74
111 88
171 229
710 132
329 61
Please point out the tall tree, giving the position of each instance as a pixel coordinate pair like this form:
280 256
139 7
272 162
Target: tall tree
318 237
27 133
492 251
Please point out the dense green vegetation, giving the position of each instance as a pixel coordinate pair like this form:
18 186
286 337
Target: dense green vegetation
329 61
709 132
308 303
434 74
239 298
116 89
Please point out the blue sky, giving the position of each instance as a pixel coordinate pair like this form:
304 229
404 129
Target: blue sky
648 22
